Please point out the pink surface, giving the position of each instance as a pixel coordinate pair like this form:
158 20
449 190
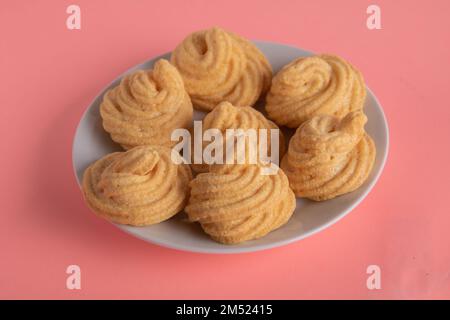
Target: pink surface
49 75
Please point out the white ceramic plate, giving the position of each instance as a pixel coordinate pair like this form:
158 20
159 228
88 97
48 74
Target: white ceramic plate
91 142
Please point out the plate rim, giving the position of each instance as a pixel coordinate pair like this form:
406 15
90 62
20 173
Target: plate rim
258 247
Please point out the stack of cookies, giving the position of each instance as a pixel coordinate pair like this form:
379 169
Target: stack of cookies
219 72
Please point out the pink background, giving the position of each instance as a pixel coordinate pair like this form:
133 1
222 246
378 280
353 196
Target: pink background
50 74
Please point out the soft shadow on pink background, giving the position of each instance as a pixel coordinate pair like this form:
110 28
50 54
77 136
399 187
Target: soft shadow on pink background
50 74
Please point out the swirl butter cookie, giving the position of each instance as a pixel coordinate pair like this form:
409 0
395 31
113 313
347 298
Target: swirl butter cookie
226 116
139 187
146 107
217 65
236 203
328 157
310 86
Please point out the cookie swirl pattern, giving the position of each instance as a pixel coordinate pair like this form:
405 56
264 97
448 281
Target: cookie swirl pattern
139 187
146 107
236 203
217 65
318 85
328 157
226 116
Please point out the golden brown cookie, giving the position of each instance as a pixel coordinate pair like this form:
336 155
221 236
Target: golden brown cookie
236 203
310 86
328 157
146 107
226 116
217 65
139 187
